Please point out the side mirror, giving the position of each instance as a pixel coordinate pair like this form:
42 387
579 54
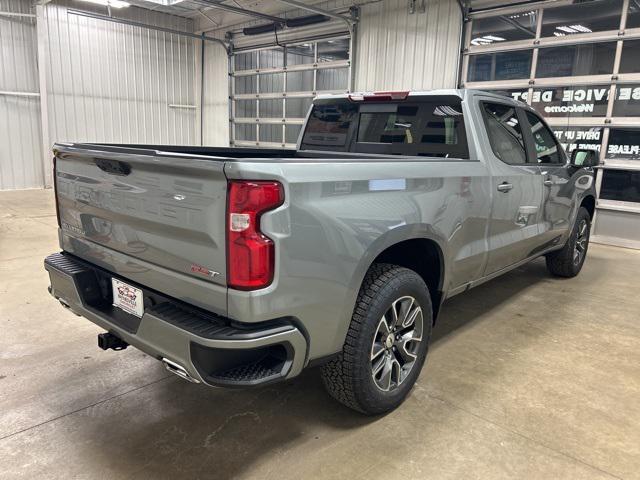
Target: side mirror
582 157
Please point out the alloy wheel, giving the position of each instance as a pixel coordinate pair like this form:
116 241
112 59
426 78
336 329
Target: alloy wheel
396 342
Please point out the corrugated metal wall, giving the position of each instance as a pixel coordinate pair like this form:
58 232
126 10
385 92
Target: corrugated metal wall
21 151
111 82
397 50
215 88
106 82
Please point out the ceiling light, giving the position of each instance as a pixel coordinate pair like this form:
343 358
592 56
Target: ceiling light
166 3
109 3
486 40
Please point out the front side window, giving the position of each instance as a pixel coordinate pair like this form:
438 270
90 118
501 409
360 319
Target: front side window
547 150
505 133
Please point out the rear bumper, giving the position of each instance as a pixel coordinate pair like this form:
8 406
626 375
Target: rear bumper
210 348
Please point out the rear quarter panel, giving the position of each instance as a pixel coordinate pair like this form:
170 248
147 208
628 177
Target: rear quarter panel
328 232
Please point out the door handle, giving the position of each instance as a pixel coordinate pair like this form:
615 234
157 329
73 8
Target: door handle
505 187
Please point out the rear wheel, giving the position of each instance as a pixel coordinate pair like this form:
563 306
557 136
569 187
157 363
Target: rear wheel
568 261
386 344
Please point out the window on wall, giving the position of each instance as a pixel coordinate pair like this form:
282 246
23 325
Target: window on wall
624 143
627 101
582 17
504 28
272 88
573 60
500 66
579 137
571 101
620 185
630 59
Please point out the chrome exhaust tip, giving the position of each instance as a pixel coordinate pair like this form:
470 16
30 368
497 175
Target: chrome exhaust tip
178 370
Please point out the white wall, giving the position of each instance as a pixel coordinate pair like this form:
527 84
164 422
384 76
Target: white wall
215 113
105 82
397 50
21 150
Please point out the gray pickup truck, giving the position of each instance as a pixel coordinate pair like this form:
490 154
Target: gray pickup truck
239 267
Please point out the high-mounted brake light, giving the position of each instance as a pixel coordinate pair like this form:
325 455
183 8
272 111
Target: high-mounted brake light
250 253
378 96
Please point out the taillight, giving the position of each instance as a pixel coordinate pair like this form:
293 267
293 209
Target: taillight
250 253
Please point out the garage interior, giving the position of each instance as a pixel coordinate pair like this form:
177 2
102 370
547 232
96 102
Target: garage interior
527 376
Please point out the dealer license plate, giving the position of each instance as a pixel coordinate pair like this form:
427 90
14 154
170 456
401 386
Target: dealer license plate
127 298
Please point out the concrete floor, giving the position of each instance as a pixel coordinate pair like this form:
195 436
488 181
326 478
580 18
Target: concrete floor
528 376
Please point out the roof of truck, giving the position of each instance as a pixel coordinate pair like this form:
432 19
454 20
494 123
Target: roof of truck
463 93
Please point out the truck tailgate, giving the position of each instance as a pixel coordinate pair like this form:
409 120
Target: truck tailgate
156 219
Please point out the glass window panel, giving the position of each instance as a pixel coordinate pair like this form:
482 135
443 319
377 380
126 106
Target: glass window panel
500 66
300 81
633 14
333 50
272 83
547 150
332 79
624 143
630 60
248 84
574 101
246 108
300 54
582 17
572 60
272 58
579 137
516 26
505 133
620 185
271 108
245 131
329 125
519 94
291 133
627 101
297 107
246 61
271 133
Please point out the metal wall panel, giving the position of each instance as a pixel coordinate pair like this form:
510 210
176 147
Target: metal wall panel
397 50
21 152
215 91
110 82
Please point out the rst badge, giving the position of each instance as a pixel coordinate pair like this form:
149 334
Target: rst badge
199 269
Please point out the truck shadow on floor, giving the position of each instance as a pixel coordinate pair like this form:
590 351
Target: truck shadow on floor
173 429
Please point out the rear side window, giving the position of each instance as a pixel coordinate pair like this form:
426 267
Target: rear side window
431 127
329 126
505 132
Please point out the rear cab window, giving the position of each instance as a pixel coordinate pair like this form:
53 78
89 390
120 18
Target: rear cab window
430 126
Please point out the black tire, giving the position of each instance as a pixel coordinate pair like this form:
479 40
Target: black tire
349 378
564 263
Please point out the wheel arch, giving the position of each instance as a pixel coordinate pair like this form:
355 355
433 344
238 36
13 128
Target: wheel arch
417 248
589 203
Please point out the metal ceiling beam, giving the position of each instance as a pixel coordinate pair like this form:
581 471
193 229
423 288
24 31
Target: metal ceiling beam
320 11
240 11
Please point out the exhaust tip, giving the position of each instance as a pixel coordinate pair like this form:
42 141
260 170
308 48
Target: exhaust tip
178 370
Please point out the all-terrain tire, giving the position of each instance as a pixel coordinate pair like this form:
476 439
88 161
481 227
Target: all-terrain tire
564 262
349 377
